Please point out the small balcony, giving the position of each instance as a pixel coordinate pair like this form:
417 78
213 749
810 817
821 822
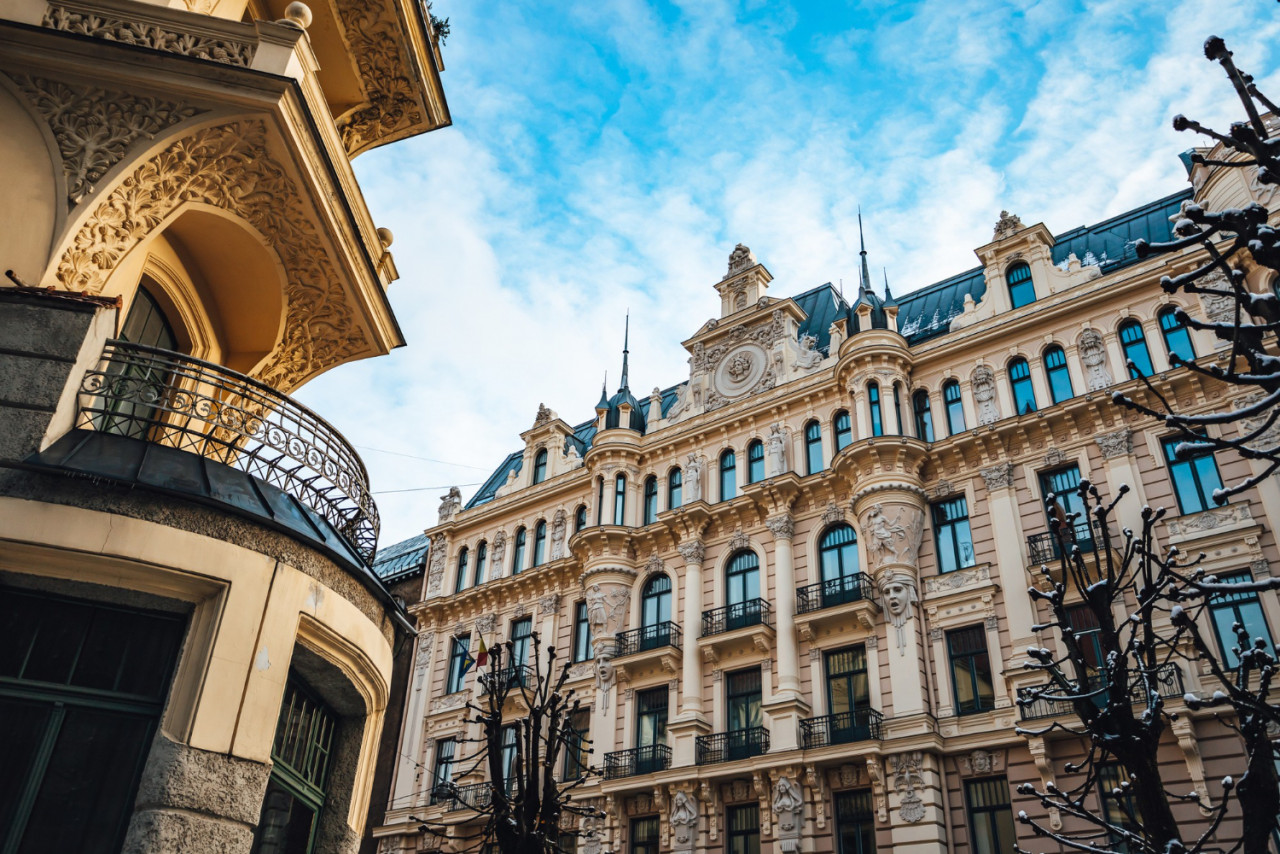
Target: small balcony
475 796
842 728
1168 683
515 675
836 601
638 760
1048 547
731 746
655 647
753 612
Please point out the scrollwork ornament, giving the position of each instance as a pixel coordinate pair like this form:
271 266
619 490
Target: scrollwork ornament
692 551
782 526
148 35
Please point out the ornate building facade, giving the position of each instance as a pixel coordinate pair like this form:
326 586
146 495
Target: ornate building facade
196 654
793 587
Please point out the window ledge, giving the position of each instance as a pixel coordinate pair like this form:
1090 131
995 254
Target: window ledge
1207 523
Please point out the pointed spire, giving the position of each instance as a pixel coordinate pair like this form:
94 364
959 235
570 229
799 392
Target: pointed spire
888 295
604 393
862 243
626 339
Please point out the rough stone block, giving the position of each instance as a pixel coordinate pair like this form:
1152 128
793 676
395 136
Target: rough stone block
182 777
156 831
53 330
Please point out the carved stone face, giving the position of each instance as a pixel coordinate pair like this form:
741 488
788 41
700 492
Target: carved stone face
897 597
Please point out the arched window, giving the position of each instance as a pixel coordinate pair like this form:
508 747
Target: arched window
1134 344
146 323
482 558
461 583
600 501
897 407
838 558
873 401
843 428
954 406
1177 340
517 552
755 461
540 466
675 488
924 417
540 542
620 500
1055 368
742 590
580 518
728 476
650 500
1022 291
655 602
1024 396
812 447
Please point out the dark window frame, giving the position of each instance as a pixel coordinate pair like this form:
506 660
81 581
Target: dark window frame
842 429
966 664
954 406
1022 287
873 405
755 461
1132 345
650 500
1058 374
540 466
813 447
675 488
583 647
948 524
728 475
1024 391
923 415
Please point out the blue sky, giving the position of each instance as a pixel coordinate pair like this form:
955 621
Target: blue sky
607 155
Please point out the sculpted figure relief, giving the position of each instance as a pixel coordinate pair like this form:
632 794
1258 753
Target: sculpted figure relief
808 355
450 504
893 541
777 449
900 597
984 395
558 527
1093 354
684 820
693 478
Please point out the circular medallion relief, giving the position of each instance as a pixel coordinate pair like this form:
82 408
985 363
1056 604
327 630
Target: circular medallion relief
740 370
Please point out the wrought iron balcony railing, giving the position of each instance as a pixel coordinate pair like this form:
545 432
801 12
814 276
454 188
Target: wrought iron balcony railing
475 796
1168 680
516 676
732 745
637 760
1049 547
837 591
184 403
842 728
649 637
753 612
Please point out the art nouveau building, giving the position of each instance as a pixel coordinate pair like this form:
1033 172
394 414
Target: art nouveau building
195 653
793 585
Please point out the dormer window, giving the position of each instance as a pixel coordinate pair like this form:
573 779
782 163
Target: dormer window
1022 291
540 466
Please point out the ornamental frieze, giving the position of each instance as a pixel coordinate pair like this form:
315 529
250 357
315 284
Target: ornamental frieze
1209 520
144 34
371 30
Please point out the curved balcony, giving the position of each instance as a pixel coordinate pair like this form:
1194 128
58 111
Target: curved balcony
178 402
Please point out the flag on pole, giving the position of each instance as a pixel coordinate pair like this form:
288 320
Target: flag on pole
467 661
482 657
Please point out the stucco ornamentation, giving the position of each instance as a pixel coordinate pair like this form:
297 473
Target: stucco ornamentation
908 776
1053 457
423 658
788 810
957 580
1117 444
833 514
893 540
1007 226
450 504
782 526
692 478
999 476
229 167
549 604
456 700
436 564
776 449
144 34
1209 520
900 597
606 609
654 564
95 127
1093 354
486 623
371 29
559 525
739 540
741 259
692 551
684 821
983 382
544 416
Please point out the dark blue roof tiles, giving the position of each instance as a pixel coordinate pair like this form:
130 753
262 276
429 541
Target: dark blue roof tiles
927 313
822 306
513 463
1111 241
403 558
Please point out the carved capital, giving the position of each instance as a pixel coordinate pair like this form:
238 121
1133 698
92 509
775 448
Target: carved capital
782 526
692 551
1117 444
999 476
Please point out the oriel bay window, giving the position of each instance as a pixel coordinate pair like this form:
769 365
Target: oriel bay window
990 818
951 534
970 670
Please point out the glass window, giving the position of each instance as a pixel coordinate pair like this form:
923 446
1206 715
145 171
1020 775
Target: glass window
482 557
971 670
1134 344
577 744
743 577
600 501
848 694
951 534
955 407
644 835
540 466
743 821
924 417
873 403
990 819
620 500
1084 625
509 770
459 658
442 775
296 788
580 518
517 551
461 583
1022 291
540 542
743 693
581 633
675 489
728 476
843 428
838 557
1177 340
1055 368
655 602
813 447
1227 609
1024 396
650 500
1118 806
1062 484
651 716
755 461
1195 476
521 631
855 822
146 323
897 408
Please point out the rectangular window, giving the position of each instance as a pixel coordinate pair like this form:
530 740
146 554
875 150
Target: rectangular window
509 769
971 670
951 534
442 776
644 835
843 430
521 631
1062 484
1227 609
855 823
458 657
848 694
743 692
1118 807
651 716
582 649
744 829
1195 476
577 741
990 819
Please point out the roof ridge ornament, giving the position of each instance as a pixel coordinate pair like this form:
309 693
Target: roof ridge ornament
1007 226
740 260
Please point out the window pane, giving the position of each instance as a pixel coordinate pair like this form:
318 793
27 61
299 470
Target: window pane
1022 290
955 407
843 430
1134 344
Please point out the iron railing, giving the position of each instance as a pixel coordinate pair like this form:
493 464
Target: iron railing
475 796
1050 546
649 637
515 675
180 402
637 760
728 746
1168 679
753 612
842 728
837 591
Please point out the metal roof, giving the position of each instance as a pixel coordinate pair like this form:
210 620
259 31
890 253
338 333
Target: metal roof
402 559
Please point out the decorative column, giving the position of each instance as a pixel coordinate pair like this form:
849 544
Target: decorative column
608 593
787 706
1011 562
690 722
408 775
